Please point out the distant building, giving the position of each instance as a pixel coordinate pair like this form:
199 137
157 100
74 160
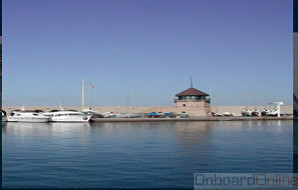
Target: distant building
193 101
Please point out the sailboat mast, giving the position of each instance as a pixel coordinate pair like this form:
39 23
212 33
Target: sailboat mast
83 93
127 102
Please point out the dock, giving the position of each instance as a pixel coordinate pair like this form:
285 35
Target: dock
145 119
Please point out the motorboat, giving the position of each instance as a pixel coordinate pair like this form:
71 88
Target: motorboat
217 114
153 115
277 111
27 116
256 113
227 113
169 115
93 113
265 112
109 115
4 118
68 116
128 115
274 113
246 112
184 115
134 115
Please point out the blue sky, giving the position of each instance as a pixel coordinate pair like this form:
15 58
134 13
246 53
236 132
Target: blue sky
241 52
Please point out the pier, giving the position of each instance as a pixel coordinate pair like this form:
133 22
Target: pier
104 120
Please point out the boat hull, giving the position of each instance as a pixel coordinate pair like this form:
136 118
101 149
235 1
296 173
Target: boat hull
27 119
71 119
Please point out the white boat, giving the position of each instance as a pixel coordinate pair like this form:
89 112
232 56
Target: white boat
93 113
246 112
276 112
256 113
273 113
109 115
265 112
4 118
227 113
184 115
68 116
27 116
218 114
128 115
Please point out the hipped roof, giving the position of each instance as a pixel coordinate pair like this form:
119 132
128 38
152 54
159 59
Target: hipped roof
192 92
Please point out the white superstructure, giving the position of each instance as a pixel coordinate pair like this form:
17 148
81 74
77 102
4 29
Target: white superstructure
68 116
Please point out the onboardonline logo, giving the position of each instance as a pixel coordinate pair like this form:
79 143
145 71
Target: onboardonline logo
246 180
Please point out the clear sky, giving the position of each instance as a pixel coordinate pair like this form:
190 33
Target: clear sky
241 52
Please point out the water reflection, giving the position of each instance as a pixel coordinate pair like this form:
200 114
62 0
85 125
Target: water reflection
157 154
253 146
14 128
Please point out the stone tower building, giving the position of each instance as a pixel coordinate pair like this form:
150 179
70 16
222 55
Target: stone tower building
193 101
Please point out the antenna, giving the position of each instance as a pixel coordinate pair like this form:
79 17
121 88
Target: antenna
60 104
88 97
191 84
62 99
265 98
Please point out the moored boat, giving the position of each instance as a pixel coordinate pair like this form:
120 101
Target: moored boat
68 116
246 112
227 113
4 118
265 112
93 113
256 113
27 116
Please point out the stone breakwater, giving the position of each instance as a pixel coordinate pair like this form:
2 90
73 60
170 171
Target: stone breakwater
189 119
287 109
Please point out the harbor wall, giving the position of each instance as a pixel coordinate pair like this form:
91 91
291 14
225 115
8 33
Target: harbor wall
287 109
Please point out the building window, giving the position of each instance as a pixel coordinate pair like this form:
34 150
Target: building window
184 105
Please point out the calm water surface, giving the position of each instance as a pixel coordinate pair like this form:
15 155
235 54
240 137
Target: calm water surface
129 155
